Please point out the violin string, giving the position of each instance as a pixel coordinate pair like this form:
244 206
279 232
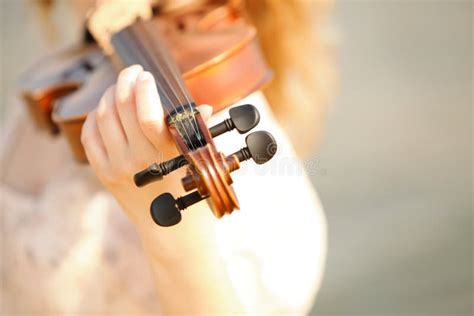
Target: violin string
188 101
187 97
174 72
161 87
181 90
146 65
135 51
165 64
154 63
178 79
149 66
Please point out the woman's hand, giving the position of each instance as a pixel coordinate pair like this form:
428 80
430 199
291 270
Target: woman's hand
127 133
124 135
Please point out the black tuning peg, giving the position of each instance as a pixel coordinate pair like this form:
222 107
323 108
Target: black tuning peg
165 209
261 147
242 118
156 171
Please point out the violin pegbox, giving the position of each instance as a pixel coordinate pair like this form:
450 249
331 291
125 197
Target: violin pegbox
208 173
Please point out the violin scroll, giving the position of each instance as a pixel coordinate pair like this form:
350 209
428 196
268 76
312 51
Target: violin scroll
243 118
209 171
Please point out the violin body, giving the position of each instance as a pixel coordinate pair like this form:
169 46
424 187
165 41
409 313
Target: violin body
216 51
56 76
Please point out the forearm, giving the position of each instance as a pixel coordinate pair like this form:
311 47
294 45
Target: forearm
190 274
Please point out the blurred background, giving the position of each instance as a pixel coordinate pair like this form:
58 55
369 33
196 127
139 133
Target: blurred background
397 156
396 161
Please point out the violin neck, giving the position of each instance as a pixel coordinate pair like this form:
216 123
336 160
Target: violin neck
141 43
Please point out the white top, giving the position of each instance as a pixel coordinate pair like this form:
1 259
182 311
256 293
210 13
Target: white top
68 248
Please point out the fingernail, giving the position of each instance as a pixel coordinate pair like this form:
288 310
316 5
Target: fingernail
137 66
206 110
145 76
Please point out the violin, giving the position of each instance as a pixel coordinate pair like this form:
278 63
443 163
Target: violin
206 54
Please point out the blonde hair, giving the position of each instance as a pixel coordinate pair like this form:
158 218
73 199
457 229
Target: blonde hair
292 35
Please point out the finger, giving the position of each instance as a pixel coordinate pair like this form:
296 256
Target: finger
206 111
149 111
92 142
109 124
125 101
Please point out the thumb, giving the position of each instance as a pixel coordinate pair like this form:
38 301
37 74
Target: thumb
206 111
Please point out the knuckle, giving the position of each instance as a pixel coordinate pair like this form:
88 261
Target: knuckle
138 165
105 109
110 174
109 177
118 174
121 169
84 138
85 131
122 97
148 125
129 171
101 114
